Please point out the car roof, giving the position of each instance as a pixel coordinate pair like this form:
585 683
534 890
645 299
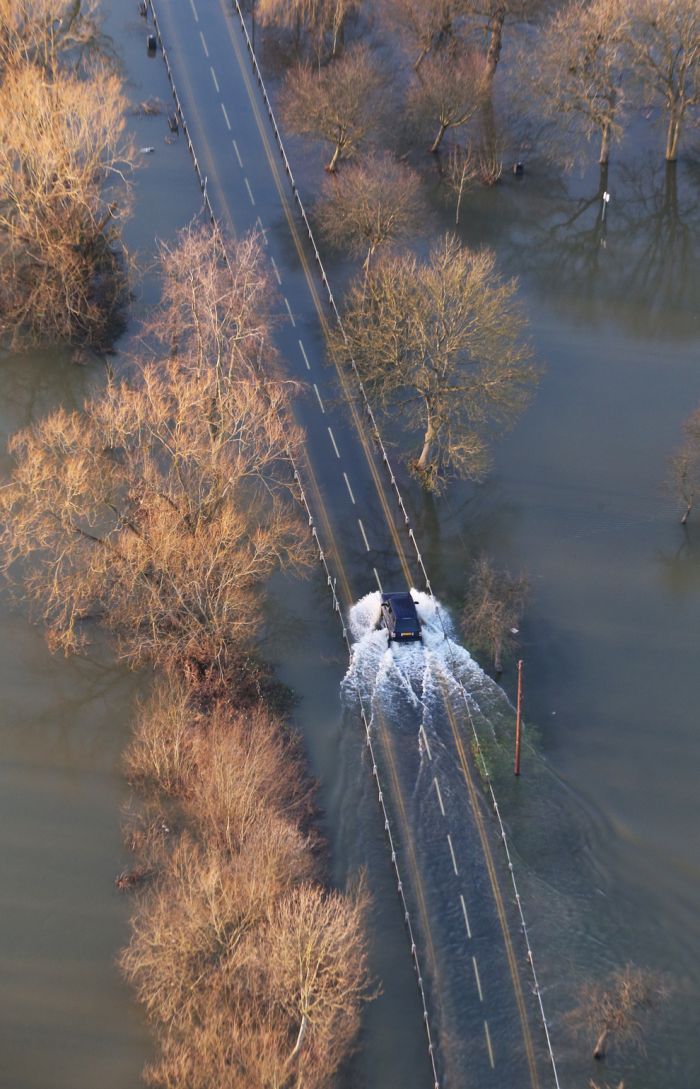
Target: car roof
403 605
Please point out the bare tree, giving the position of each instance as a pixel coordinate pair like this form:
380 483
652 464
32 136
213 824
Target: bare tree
685 466
322 19
340 104
616 1008
45 32
577 80
160 510
442 343
370 204
492 610
664 48
447 91
461 173
426 24
64 156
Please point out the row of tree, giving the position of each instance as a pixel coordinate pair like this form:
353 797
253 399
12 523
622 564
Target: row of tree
158 513
65 158
581 66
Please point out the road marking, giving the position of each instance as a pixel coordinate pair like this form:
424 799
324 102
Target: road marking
204 45
364 535
264 234
439 797
250 192
452 852
335 445
277 271
318 398
466 917
488 1043
425 740
194 11
216 82
238 154
347 484
478 981
228 123
308 367
289 311
377 578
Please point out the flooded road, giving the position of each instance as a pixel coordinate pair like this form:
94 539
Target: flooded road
603 822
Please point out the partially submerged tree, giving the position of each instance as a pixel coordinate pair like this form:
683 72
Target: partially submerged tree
617 1008
664 50
323 20
685 466
160 510
427 25
492 610
577 80
446 92
64 155
340 104
45 32
442 343
369 205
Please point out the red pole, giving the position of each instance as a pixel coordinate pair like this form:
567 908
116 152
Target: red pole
518 718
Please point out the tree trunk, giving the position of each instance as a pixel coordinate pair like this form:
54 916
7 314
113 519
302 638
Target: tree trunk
331 168
673 137
497 659
599 1049
428 440
459 199
493 54
438 138
686 516
604 156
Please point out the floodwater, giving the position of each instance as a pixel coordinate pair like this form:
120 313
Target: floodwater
603 822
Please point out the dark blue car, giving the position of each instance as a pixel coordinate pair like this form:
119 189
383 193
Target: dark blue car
400 618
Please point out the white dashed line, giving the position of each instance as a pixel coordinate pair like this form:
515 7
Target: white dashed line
452 852
250 192
364 535
308 367
238 154
228 123
488 1043
335 445
425 741
377 578
439 797
318 398
194 11
347 485
466 917
276 271
204 44
478 981
263 232
289 311
216 82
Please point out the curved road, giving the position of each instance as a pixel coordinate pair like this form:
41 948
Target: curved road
475 971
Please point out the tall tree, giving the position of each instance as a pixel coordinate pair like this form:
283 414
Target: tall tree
340 104
64 158
616 1008
425 24
447 91
160 510
578 77
321 19
45 32
664 49
442 344
369 205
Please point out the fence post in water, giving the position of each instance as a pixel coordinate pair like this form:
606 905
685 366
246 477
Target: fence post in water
518 718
